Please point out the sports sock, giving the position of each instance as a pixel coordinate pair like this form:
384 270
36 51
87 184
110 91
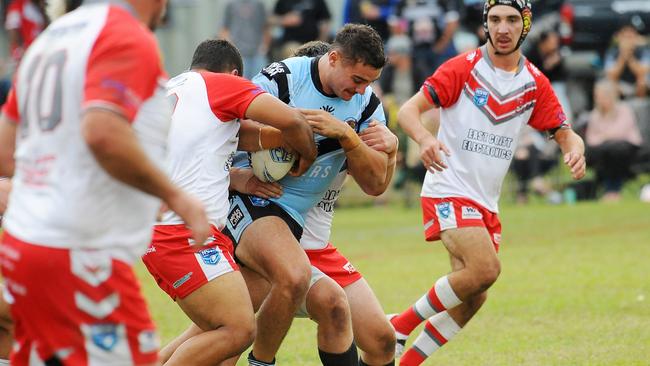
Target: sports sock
361 363
347 358
439 298
252 361
439 330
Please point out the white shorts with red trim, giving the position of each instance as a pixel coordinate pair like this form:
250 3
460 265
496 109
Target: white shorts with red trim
440 214
75 307
332 263
180 269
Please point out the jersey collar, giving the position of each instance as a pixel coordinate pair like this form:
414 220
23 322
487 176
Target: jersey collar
315 78
486 57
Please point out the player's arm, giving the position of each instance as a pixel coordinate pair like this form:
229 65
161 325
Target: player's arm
8 130
365 164
242 180
254 136
378 137
573 149
408 118
115 146
296 132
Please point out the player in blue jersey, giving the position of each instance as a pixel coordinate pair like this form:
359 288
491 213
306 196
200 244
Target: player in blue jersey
334 93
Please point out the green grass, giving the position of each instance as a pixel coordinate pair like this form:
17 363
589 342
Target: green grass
574 288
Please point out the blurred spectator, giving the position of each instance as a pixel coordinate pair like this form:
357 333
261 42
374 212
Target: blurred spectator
302 20
534 157
627 62
24 21
473 18
431 24
245 25
612 139
545 54
374 13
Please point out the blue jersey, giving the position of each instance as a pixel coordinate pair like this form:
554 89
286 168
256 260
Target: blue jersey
296 82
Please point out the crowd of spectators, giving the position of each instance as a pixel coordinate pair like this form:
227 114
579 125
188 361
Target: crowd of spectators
420 35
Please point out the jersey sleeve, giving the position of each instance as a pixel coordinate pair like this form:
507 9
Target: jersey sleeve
10 108
229 95
124 68
547 114
374 111
443 88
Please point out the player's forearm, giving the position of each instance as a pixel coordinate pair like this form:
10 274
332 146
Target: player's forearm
8 130
115 146
408 118
367 166
255 136
569 141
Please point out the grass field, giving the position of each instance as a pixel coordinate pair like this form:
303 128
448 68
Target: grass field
574 288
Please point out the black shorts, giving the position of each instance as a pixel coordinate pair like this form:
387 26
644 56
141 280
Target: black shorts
244 209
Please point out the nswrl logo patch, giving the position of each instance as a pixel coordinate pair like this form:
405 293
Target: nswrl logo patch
481 97
104 336
210 256
444 209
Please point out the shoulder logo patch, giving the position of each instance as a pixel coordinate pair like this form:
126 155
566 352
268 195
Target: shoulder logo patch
275 69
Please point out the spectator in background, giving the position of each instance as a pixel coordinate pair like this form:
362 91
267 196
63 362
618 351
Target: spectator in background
245 25
627 62
534 156
612 139
545 54
25 20
302 21
431 24
374 13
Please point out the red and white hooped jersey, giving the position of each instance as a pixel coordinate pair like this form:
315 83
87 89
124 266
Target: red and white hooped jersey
98 56
203 137
482 111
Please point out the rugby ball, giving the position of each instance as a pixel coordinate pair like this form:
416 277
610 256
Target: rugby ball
272 165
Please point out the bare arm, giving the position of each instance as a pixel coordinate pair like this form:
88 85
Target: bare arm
408 118
573 149
379 137
365 164
117 150
5 188
8 130
254 136
295 130
242 180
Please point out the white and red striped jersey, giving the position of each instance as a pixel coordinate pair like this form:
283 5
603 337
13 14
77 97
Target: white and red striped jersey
483 108
204 135
99 56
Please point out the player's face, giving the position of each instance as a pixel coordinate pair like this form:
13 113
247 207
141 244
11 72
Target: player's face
505 25
348 79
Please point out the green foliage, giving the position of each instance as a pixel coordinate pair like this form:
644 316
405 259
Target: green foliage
574 288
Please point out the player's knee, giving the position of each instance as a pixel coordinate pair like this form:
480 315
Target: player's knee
332 307
243 336
488 274
295 283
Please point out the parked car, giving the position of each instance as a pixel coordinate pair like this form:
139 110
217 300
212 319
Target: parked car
590 24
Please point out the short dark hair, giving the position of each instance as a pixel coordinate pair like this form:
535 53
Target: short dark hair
360 43
217 55
312 49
